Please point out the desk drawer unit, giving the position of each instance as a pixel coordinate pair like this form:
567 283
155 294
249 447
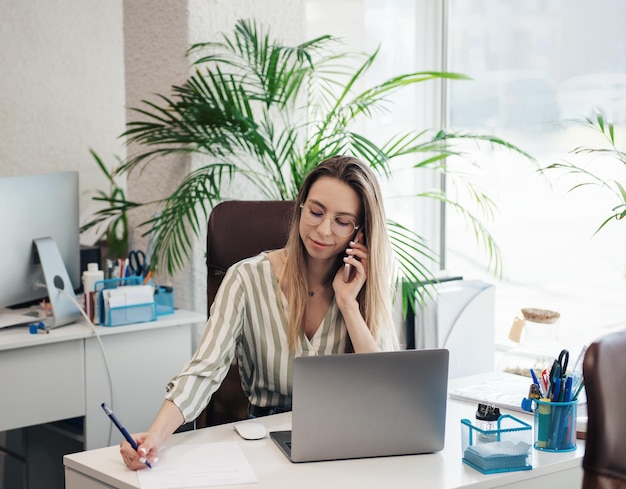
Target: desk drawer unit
42 383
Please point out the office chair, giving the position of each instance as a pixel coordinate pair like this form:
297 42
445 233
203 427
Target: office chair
604 365
236 230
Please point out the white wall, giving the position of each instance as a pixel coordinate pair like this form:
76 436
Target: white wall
61 88
157 34
72 68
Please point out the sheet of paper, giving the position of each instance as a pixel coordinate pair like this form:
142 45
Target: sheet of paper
129 295
8 318
505 392
198 465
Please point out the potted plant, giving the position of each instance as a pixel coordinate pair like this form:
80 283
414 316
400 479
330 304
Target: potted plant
113 218
259 110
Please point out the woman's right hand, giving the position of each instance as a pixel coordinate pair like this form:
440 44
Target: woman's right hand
166 422
148 450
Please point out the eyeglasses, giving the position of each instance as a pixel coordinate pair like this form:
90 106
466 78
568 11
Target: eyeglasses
340 225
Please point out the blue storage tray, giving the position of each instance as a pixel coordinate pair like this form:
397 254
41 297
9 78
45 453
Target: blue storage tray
139 313
505 449
117 316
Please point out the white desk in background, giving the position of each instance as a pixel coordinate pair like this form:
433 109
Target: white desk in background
103 468
61 375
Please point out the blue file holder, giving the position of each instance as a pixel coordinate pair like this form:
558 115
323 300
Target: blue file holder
164 300
504 449
117 316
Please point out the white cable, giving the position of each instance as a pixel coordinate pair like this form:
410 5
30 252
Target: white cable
104 356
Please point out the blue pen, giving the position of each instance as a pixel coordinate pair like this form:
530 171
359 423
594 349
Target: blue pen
123 430
534 376
556 389
535 379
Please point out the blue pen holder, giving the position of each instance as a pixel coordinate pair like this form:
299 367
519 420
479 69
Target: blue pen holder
555 425
504 449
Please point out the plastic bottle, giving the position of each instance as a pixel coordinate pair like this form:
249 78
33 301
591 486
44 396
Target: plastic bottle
90 276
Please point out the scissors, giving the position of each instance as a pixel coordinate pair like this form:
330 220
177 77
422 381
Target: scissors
559 367
137 263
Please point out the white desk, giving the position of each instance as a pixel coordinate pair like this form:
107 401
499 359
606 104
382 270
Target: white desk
61 375
103 468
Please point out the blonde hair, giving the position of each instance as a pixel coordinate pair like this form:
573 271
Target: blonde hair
376 295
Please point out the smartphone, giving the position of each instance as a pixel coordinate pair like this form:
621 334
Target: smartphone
347 268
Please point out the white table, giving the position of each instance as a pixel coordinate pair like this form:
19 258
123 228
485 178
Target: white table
61 375
103 468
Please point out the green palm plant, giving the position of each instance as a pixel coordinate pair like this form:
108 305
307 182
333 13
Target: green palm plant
115 215
257 109
610 154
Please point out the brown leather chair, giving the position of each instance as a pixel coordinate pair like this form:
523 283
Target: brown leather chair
604 371
236 230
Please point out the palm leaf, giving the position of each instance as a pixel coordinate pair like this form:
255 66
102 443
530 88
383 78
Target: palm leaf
257 109
610 155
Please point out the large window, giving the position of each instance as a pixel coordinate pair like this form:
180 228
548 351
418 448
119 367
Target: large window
400 30
536 64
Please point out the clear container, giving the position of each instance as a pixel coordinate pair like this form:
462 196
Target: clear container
538 347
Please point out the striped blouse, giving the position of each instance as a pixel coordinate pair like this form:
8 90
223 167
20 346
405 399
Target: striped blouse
245 320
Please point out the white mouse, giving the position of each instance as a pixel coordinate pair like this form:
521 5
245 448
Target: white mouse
251 430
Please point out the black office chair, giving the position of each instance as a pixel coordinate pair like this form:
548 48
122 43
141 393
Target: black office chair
604 371
236 230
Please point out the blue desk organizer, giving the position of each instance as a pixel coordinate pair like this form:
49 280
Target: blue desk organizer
116 316
164 300
505 449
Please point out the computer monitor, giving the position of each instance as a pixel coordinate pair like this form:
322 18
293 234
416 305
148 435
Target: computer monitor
39 243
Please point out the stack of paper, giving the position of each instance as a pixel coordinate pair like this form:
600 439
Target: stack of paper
498 455
128 304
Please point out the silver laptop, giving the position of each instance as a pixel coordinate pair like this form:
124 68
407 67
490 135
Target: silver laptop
367 405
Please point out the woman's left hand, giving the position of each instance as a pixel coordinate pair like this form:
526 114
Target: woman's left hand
346 297
356 257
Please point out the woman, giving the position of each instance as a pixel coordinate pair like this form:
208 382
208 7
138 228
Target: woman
327 292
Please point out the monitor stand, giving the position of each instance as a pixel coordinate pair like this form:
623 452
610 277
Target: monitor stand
64 310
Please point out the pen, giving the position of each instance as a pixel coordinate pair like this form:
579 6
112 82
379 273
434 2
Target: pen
123 430
556 389
536 380
568 389
534 376
545 382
